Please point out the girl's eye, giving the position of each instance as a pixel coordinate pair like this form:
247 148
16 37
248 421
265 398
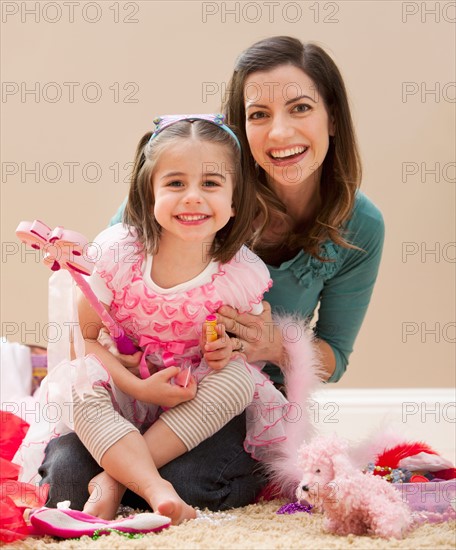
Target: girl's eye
302 108
211 183
175 183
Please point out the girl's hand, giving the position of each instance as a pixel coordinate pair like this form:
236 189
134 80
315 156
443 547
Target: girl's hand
255 335
217 353
131 362
158 389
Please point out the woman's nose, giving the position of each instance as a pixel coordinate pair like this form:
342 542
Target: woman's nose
280 128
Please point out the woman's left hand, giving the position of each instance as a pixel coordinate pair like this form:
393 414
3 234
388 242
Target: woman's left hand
255 335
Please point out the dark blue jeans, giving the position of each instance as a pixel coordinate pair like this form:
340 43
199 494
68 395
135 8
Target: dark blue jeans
218 474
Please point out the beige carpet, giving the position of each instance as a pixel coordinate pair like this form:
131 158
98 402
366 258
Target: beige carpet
255 527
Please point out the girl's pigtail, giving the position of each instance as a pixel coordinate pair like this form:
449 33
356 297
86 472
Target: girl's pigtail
139 199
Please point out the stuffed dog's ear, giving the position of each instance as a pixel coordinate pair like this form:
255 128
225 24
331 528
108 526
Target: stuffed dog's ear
337 449
341 463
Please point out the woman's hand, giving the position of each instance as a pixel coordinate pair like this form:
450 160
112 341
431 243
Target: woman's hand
255 335
158 389
217 353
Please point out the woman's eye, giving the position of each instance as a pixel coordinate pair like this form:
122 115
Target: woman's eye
256 115
302 108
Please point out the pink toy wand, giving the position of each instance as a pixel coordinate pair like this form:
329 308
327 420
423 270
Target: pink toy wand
63 249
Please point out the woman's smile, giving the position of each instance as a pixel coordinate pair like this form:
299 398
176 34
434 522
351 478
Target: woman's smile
288 155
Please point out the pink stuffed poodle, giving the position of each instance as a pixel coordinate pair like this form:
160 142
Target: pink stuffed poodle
352 501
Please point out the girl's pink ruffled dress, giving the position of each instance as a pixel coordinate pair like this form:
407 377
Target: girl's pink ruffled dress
168 327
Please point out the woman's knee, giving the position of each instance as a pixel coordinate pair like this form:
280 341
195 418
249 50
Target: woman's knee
67 468
223 475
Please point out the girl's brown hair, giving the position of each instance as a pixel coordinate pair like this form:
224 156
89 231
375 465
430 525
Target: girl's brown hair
140 204
341 170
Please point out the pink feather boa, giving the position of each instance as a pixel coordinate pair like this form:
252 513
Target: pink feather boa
302 376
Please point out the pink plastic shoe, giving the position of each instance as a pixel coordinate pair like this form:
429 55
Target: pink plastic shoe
72 523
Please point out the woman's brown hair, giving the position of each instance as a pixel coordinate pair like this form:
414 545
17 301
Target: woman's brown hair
341 170
140 204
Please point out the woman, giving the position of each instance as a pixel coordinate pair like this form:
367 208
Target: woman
322 241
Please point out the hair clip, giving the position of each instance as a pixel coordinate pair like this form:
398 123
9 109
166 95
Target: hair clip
162 122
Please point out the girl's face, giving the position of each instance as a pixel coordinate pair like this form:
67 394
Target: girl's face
193 189
287 125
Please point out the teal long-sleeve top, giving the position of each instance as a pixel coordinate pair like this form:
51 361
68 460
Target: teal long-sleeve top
342 287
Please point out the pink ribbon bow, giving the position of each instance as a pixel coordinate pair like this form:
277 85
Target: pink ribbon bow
169 350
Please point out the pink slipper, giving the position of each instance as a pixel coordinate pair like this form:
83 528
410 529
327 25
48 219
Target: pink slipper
72 523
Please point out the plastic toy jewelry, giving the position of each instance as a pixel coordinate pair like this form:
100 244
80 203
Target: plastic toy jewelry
183 378
210 324
65 249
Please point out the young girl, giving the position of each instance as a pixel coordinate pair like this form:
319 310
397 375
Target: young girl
178 258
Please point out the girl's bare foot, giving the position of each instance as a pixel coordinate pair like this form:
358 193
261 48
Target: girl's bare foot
105 496
177 510
165 501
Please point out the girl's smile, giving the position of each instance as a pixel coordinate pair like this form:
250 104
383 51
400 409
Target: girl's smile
192 219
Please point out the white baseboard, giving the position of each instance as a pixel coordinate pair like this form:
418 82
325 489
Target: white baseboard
420 414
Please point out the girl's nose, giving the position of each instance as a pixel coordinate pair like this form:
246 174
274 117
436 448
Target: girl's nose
192 196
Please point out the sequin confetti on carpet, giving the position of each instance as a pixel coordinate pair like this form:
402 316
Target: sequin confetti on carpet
294 507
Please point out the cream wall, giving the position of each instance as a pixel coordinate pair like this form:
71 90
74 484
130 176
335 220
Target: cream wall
144 58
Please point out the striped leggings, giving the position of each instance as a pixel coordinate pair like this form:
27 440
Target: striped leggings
221 396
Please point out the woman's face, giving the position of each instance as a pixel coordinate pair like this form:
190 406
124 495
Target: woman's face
287 125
